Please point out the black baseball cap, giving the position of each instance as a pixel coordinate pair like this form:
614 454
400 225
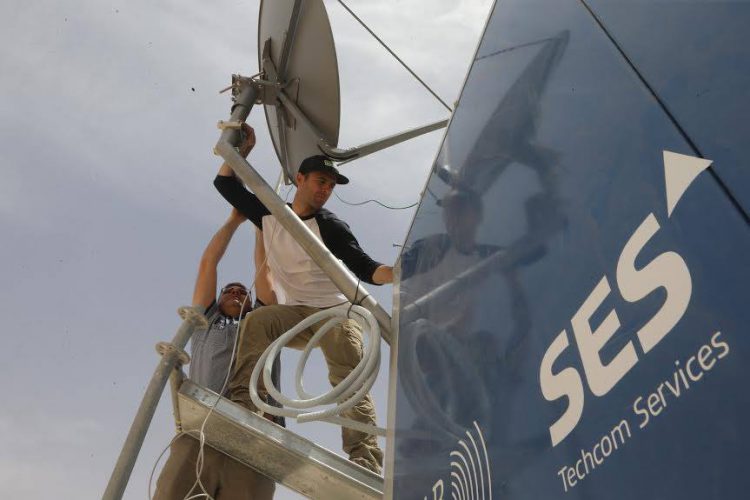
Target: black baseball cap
320 163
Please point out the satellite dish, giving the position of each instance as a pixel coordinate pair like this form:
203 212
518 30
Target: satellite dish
299 85
297 56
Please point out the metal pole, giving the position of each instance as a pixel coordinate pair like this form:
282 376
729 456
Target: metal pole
443 294
323 257
291 33
124 466
346 155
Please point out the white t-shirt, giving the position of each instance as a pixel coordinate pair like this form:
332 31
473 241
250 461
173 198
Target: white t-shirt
299 279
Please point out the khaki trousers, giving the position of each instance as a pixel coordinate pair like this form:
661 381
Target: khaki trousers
342 349
223 477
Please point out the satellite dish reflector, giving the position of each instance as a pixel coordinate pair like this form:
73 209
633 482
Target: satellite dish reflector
297 56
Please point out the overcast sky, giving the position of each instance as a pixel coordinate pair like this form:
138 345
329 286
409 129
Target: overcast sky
109 114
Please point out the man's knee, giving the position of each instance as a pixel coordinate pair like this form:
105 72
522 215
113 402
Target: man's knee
264 322
274 315
349 341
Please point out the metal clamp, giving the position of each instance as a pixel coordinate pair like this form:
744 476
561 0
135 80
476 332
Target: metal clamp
194 314
164 348
222 125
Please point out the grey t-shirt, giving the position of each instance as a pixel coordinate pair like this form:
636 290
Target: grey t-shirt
211 350
211 353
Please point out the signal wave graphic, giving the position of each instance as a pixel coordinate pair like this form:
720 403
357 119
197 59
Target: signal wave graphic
468 468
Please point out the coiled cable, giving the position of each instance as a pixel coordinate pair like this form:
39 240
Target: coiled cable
344 395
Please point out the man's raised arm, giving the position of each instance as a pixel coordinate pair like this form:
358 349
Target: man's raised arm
232 189
248 143
205 284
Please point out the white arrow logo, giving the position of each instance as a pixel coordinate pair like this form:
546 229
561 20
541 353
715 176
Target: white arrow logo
679 172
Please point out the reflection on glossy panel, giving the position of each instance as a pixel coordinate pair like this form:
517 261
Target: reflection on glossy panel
553 294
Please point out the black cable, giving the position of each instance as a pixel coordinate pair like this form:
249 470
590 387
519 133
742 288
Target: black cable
381 42
374 201
351 304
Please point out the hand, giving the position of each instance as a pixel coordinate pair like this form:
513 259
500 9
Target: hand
236 217
382 275
248 143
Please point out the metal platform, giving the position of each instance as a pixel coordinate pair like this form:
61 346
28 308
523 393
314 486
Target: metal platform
282 455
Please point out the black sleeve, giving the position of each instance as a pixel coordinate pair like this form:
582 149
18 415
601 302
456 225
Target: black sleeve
341 242
240 198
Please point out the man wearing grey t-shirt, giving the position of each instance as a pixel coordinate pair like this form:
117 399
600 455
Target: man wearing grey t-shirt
211 350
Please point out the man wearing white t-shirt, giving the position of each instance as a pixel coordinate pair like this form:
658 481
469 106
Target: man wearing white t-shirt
306 289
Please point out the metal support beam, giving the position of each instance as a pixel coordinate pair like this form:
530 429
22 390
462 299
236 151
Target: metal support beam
323 257
175 381
347 155
300 115
275 452
289 36
125 462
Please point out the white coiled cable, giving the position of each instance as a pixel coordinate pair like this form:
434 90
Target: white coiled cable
345 395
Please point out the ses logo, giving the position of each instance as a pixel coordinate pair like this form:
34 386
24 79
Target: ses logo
470 477
667 270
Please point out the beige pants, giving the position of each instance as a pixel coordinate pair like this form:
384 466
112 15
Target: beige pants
223 478
342 348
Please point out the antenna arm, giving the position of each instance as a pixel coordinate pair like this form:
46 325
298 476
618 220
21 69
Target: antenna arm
346 155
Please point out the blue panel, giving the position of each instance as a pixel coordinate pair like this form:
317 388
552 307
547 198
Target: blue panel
546 219
696 56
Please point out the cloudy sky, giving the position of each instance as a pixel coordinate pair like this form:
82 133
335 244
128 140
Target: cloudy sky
109 114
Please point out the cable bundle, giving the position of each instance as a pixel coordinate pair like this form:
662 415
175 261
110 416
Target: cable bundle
345 395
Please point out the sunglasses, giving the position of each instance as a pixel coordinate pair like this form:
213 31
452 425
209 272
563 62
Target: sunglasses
234 289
